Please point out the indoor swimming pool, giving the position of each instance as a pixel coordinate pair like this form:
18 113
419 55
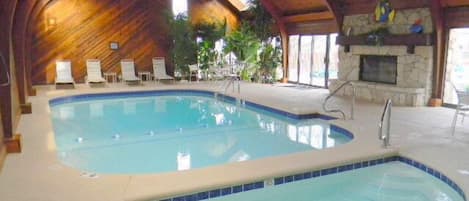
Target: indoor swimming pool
163 131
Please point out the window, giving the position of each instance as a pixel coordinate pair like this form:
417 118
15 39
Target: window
180 7
308 56
457 64
293 58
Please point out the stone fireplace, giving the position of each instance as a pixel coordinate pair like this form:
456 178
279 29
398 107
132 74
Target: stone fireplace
391 71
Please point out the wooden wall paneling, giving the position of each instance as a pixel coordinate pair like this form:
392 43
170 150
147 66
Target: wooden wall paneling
459 17
84 30
294 7
315 16
317 27
212 12
38 6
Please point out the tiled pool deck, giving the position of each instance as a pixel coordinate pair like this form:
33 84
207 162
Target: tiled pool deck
420 133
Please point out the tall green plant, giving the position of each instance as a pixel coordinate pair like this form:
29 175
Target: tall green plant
269 60
262 21
243 43
209 33
184 48
261 25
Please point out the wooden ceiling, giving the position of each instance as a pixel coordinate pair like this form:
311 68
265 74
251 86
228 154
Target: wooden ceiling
301 11
454 3
298 13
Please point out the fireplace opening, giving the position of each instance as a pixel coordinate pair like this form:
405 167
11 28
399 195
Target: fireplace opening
377 68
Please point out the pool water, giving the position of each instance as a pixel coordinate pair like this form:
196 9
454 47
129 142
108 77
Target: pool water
162 133
393 181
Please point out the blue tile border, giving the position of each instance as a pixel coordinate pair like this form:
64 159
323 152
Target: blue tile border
132 94
219 96
318 173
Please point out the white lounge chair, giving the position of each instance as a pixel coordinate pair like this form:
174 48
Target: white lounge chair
159 69
64 73
128 71
93 71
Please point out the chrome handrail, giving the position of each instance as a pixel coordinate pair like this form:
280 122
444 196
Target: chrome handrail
231 81
386 114
350 82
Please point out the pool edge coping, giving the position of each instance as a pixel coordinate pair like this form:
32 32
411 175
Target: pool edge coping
316 173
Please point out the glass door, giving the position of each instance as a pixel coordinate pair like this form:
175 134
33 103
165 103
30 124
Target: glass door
313 59
306 48
333 67
293 48
457 64
318 67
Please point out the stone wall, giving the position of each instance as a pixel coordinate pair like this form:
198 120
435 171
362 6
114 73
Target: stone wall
414 71
362 24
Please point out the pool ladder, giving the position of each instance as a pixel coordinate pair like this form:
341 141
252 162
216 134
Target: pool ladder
324 104
231 80
385 137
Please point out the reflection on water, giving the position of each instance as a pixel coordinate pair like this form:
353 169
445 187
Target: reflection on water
199 131
184 161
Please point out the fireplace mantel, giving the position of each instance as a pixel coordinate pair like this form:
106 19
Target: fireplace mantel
409 40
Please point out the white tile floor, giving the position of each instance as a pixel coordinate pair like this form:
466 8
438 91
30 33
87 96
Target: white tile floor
421 133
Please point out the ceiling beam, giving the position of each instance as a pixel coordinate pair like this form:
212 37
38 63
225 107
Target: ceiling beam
439 52
334 7
315 27
313 16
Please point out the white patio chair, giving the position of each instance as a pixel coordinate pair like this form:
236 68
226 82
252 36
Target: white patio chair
159 69
194 70
128 71
93 71
64 72
462 107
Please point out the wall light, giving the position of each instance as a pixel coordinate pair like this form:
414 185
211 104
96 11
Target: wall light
52 22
